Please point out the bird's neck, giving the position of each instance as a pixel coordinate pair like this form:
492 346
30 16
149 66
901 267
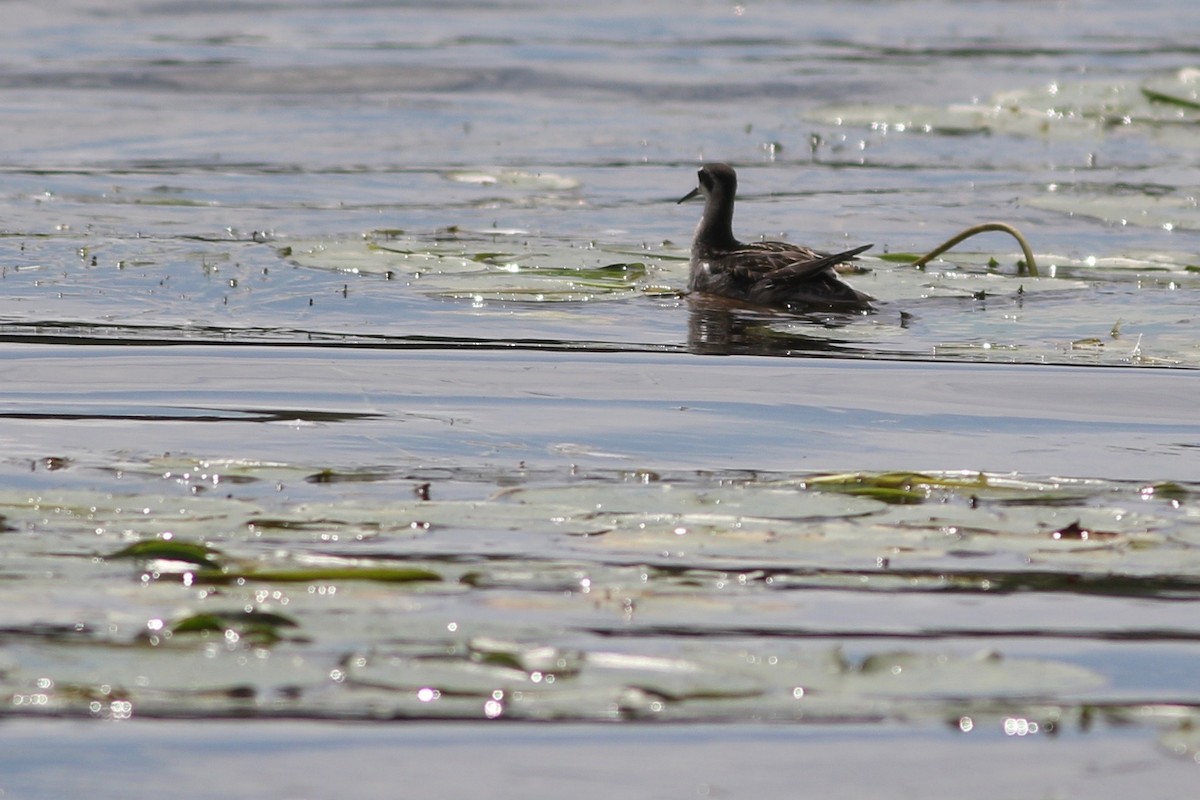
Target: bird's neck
716 226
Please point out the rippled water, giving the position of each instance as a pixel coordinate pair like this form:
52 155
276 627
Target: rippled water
378 309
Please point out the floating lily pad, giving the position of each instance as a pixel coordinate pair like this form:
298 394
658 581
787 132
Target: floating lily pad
1183 739
241 620
1172 212
258 627
1059 109
1181 89
171 550
895 487
650 595
458 270
517 178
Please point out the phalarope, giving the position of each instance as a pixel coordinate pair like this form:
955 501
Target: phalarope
775 274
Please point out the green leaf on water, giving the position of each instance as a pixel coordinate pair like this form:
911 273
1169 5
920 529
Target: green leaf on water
237 620
258 627
472 578
623 272
199 622
882 493
497 659
662 291
892 487
349 476
376 246
495 258
1181 89
1167 490
525 657
199 554
1162 97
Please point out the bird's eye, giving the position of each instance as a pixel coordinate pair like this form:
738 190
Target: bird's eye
705 179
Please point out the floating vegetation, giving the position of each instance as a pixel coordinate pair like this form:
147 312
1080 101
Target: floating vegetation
517 178
389 290
456 269
1028 266
241 620
478 464
896 487
1181 89
1115 207
168 550
1164 104
611 595
1116 311
260 628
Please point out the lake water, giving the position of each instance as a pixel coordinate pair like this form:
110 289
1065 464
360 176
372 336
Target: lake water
347 376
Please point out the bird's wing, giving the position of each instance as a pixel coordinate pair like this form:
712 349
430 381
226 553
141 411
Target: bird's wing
805 263
754 261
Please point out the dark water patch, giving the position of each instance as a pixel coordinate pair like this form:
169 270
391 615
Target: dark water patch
1100 49
234 79
67 633
150 336
979 637
170 414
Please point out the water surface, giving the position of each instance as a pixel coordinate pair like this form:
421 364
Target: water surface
379 309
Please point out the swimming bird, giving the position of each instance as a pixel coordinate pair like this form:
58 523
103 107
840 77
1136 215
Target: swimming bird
773 274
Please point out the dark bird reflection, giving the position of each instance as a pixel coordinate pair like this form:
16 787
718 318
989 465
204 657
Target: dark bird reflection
718 326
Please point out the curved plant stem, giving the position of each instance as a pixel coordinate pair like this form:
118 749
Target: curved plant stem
982 228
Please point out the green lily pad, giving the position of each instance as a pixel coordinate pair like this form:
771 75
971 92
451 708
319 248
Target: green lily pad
1181 89
171 550
239 620
898 487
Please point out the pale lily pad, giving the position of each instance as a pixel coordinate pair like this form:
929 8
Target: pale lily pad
1058 109
966 275
517 178
1118 310
481 272
1170 213
985 674
1178 264
1183 741
665 500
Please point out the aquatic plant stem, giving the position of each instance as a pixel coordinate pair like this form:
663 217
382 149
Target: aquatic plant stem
985 227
